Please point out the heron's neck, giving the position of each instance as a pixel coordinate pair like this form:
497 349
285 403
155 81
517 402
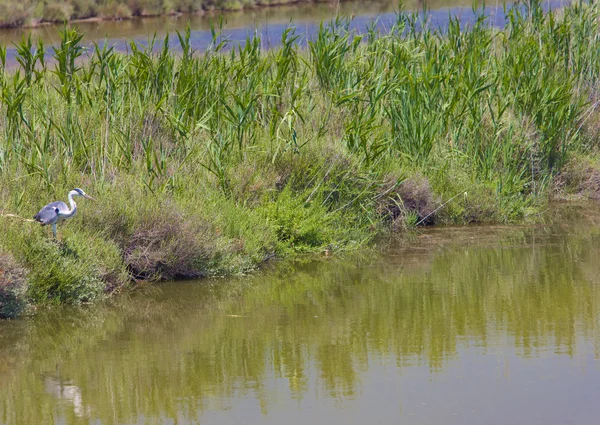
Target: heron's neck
73 209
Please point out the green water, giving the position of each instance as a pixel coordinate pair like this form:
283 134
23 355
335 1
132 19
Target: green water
478 325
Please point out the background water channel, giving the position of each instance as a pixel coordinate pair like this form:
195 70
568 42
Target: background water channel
267 22
471 325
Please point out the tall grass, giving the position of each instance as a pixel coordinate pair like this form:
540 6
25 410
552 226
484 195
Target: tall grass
211 162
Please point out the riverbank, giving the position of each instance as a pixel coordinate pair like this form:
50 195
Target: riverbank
33 13
213 163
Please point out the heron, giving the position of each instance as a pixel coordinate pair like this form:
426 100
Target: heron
58 211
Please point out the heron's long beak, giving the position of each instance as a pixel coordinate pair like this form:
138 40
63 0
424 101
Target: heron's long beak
88 197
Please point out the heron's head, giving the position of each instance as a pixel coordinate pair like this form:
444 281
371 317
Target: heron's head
80 192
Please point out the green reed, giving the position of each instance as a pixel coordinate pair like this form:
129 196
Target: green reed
408 93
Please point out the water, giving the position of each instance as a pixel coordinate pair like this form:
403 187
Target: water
465 326
267 22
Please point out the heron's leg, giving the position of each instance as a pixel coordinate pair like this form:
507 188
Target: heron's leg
54 229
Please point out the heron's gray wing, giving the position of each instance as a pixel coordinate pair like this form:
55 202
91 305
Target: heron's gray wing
49 214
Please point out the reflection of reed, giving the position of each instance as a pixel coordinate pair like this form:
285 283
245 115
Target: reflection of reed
68 392
190 345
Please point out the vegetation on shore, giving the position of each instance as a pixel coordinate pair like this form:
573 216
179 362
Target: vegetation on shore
211 163
17 13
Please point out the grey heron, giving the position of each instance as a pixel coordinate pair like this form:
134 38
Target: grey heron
58 211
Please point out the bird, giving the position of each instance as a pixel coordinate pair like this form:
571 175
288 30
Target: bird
58 211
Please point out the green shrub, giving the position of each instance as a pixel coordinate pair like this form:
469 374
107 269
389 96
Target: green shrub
302 224
81 267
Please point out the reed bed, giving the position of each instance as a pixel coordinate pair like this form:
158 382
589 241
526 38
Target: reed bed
209 163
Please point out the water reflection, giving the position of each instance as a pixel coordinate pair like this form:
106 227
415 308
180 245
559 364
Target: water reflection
66 391
462 320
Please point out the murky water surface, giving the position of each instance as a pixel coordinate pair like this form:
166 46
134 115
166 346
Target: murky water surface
476 325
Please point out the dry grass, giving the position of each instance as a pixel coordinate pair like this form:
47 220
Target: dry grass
14 13
580 178
169 246
402 202
13 285
58 12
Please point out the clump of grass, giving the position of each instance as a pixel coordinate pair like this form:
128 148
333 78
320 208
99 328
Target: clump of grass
579 178
169 245
57 12
146 7
409 201
14 13
84 8
13 287
82 267
114 10
302 224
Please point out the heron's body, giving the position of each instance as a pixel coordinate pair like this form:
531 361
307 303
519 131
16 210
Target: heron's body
58 211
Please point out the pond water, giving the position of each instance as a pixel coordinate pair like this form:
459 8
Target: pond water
470 325
267 22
